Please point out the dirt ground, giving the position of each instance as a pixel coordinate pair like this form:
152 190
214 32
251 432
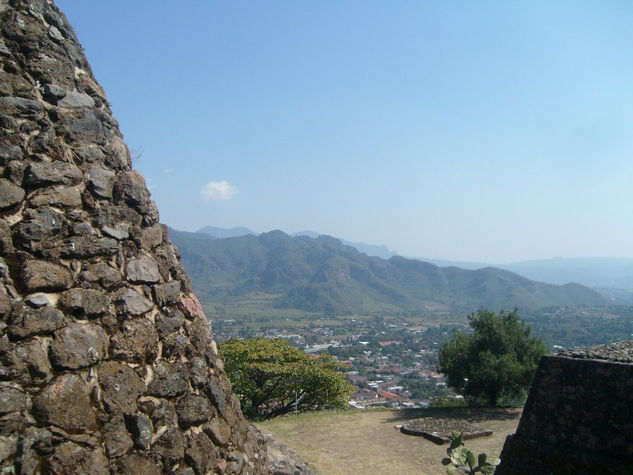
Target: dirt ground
355 442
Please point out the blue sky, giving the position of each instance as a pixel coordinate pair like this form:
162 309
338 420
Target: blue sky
485 131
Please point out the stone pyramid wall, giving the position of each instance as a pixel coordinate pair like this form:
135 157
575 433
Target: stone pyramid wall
106 360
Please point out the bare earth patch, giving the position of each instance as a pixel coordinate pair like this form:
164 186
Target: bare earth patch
352 442
438 429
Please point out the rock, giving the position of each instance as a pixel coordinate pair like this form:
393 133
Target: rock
199 375
201 454
57 196
193 410
42 276
35 444
83 127
11 399
8 447
18 106
121 387
53 93
38 224
167 323
135 463
27 321
101 181
37 362
74 99
142 270
141 429
69 457
136 342
52 173
78 345
101 272
149 238
170 446
130 302
130 187
85 302
119 232
55 34
38 300
117 441
6 240
167 293
170 380
218 430
65 403
84 247
10 194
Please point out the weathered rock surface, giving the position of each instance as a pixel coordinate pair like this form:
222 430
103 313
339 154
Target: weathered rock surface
106 360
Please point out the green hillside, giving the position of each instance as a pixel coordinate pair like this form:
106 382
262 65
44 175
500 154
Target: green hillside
323 275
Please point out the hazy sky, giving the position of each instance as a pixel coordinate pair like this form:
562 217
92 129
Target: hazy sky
487 131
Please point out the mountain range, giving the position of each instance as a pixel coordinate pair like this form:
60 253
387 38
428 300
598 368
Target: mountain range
324 275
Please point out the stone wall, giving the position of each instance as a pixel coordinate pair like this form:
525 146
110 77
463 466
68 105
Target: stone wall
578 417
106 360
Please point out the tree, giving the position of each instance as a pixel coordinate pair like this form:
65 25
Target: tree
498 360
271 377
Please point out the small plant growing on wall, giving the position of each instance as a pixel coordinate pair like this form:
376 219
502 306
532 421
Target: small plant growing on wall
462 460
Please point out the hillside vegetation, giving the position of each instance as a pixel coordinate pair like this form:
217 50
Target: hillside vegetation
323 275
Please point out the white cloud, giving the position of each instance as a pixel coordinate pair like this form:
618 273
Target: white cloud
219 190
168 171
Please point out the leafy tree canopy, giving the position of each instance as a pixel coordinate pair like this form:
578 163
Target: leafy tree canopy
498 360
271 377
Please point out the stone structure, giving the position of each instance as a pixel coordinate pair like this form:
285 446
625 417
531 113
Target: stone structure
578 417
106 360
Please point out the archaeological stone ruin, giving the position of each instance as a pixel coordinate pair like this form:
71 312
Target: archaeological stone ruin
578 417
106 359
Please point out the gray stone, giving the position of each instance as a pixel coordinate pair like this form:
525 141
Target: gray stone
117 441
121 231
6 240
136 342
130 302
83 127
53 173
78 345
136 463
65 403
142 429
18 106
10 153
38 224
167 323
10 194
38 300
142 270
121 387
74 99
201 454
101 181
199 372
168 293
53 92
11 399
130 187
69 457
61 196
85 302
193 410
55 34
42 276
83 247
113 215
34 443
8 447
218 430
35 355
170 447
101 272
26 322
149 238
170 380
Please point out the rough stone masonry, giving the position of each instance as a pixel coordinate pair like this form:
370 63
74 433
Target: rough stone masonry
106 360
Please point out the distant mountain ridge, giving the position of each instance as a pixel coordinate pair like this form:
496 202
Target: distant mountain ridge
324 275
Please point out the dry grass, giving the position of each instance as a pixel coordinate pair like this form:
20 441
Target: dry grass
355 442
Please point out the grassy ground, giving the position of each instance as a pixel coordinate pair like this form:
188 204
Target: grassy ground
355 442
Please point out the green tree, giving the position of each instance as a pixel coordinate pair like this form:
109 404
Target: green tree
498 360
270 377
